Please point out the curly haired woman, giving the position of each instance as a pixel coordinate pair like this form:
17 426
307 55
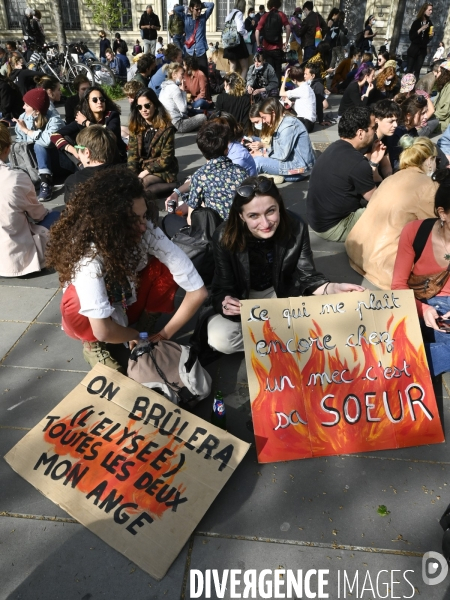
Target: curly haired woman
386 86
151 146
117 267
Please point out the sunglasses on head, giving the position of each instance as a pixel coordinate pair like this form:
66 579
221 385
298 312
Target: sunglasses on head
147 106
96 99
262 185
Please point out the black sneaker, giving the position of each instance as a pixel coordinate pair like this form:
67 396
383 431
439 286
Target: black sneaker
45 193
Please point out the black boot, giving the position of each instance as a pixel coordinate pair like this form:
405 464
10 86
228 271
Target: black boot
45 192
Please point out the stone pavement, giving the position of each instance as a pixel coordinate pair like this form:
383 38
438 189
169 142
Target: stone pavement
312 514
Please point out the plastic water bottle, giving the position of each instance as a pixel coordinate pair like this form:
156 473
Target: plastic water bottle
142 345
218 414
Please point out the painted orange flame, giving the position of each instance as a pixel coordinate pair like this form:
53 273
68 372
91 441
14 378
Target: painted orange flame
317 439
96 473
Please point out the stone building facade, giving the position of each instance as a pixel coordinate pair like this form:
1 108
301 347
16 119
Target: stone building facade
78 19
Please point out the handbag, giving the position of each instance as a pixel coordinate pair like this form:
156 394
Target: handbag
170 369
426 286
318 36
191 39
21 157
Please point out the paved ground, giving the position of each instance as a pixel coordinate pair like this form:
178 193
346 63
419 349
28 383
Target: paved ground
319 513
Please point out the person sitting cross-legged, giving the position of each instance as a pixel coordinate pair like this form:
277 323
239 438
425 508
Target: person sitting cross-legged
343 177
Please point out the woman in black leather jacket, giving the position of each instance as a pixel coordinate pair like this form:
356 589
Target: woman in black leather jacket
262 251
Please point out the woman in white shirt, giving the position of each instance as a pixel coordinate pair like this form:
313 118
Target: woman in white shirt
439 54
118 269
238 55
305 99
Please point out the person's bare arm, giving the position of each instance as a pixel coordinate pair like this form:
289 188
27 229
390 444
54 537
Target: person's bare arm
107 330
368 195
187 309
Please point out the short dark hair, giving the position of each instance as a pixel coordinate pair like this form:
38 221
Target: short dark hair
227 119
384 109
145 62
12 44
354 119
274 4
261 6
193 3
117 35
313 68
308 6
120 50
212 139
442 197
297 73
171 52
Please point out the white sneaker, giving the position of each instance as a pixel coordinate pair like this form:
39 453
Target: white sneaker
277 179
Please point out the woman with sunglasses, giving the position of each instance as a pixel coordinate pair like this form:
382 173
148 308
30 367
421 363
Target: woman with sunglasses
151 146
373 256
96 108
290 154
382 59
118 269
262 251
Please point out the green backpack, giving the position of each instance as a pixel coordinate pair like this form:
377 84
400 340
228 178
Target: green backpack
176 25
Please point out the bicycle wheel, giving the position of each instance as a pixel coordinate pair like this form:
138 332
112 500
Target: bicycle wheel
102 74
72 71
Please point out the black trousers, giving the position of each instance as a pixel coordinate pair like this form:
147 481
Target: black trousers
416 58
275 58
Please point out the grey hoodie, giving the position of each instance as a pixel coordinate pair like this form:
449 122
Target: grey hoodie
174 101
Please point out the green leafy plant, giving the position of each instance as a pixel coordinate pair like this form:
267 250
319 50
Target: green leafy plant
115 92
107 13
383 511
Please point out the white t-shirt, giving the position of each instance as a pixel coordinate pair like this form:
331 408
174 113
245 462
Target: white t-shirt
305 101
90 284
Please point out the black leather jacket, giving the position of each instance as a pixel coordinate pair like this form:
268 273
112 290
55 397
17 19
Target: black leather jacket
294 271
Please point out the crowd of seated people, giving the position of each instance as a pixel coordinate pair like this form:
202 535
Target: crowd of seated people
253 132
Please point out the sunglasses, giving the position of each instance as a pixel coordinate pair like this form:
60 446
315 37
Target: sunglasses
263 185
96 99
147 106
80 147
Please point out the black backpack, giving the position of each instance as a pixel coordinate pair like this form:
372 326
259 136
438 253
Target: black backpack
359 39
273 29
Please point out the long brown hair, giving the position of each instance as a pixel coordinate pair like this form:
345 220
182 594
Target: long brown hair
272 106
160 120
99 221
236 234
422 10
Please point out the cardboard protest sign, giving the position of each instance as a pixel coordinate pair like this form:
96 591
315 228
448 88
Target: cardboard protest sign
337 375
128 464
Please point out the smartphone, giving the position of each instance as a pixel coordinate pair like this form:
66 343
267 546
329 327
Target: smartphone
443 324
299 172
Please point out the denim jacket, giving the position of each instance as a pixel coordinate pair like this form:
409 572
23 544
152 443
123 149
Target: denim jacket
201 45
40 136
292 147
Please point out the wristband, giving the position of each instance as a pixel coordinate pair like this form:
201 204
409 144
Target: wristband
325 291
177 191
83 124
373 164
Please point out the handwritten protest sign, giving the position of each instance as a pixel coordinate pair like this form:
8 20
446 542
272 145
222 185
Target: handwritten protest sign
131 466
337 374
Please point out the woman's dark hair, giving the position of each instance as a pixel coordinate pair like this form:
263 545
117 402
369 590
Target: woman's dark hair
366 24
191 63
297 73
324 50
385 55
47 82
258 56
212 139
333 11
443 79
85 109
355 118
410 106
99 221
236 234
442 197
171 52
236 129
160 119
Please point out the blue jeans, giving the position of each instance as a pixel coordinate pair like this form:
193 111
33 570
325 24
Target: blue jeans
51 218
178 40
202 103
49 160
272 166
437 343
308 52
